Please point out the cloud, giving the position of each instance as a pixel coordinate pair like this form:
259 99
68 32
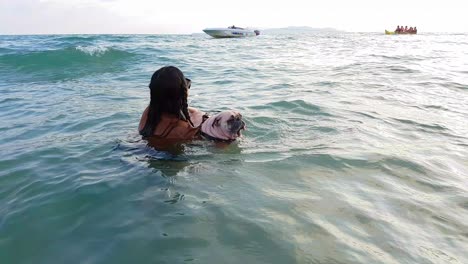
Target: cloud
75 16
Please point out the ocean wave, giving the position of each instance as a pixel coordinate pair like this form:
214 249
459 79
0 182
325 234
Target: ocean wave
93 50
60 64
75 38
5 50
295 106
79 56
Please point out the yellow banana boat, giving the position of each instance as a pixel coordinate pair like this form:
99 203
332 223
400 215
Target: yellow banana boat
401 33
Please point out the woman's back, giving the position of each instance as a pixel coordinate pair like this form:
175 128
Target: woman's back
171 127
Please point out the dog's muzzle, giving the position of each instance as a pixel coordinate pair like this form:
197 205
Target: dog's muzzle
236 126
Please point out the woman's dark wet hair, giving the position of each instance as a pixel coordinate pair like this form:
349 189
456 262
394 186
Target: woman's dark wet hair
168 88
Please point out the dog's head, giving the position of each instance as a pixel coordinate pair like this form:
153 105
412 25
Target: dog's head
226 125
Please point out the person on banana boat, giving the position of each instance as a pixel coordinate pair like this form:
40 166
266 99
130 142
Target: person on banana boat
397 30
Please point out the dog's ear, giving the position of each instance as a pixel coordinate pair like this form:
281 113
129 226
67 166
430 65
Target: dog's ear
216 122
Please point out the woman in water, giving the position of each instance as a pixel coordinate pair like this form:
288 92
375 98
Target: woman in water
168 116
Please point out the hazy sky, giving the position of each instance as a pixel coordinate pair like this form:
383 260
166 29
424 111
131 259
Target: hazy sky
188 16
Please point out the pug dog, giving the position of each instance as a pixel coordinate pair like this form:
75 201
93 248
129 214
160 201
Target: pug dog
225 126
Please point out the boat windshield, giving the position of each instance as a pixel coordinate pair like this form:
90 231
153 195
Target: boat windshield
234 27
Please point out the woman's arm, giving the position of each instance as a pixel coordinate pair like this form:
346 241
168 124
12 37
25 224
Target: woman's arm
143 119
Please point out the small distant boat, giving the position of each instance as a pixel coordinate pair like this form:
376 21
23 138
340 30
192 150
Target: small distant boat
231 32
399 33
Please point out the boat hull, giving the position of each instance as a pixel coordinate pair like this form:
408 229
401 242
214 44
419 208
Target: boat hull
230 33
401 33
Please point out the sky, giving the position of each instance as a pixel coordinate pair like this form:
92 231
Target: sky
191 16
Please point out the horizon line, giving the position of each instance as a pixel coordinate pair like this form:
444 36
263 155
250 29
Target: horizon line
201 32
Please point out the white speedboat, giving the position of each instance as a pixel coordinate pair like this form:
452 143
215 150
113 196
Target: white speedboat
231 32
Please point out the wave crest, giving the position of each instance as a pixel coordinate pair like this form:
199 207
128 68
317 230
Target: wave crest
93 50
78 57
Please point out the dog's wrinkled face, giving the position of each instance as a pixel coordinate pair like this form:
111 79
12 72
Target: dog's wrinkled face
230 122
226 125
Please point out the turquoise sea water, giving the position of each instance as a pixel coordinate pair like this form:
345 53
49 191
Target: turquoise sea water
356 150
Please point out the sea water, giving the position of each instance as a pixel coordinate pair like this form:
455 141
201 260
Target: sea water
356 150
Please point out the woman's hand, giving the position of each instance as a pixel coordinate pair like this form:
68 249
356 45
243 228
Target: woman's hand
196 116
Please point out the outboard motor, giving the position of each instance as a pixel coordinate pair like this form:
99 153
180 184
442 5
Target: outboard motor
257 32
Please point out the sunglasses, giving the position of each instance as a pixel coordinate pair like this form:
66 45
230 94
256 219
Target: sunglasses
188 82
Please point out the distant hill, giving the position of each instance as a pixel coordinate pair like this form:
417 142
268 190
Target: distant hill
299 30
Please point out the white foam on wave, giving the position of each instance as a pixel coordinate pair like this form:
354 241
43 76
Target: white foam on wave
93 50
